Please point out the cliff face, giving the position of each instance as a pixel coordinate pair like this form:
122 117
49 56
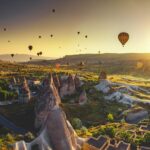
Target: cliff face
56 133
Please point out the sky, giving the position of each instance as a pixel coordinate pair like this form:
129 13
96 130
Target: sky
101 20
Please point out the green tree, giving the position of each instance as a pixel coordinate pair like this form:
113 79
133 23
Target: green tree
76 123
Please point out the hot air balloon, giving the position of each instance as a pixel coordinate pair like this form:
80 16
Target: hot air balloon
123 38
30 47
40 36
78 32
12 55
86 36
53 10
51 35
8 41
5 29
38 54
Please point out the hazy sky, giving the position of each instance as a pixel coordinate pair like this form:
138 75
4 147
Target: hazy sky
101 20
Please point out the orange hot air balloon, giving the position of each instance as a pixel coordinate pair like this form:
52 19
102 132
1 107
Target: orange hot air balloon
123 38
57 66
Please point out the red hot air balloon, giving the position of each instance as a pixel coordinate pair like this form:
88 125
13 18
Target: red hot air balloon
123 38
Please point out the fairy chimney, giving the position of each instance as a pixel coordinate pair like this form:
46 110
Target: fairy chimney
78 82
24 92
103 75
48 98
56 133
68 86
83 98
56 81
71 85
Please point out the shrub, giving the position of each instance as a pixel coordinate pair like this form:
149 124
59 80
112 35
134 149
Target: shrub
84 130
5 95
110 131
125 136
10 138
29 136
110 117
107 130
76 123
147 138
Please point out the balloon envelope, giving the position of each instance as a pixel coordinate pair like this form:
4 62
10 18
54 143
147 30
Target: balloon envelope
12 55
53 10
30 47
123 37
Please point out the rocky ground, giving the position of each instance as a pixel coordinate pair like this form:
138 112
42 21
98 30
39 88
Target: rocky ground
98 108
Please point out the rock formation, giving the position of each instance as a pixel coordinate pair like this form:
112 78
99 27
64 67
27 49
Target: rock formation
71 85
134 115
102 75
104 86
83 98
68 86
56 82
78 82
24 92
121 92
48 98
55 133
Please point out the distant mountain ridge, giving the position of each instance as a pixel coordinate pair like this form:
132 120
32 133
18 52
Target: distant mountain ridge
22 57
97 58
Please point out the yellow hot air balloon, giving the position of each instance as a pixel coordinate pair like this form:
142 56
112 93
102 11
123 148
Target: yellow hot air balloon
123 38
